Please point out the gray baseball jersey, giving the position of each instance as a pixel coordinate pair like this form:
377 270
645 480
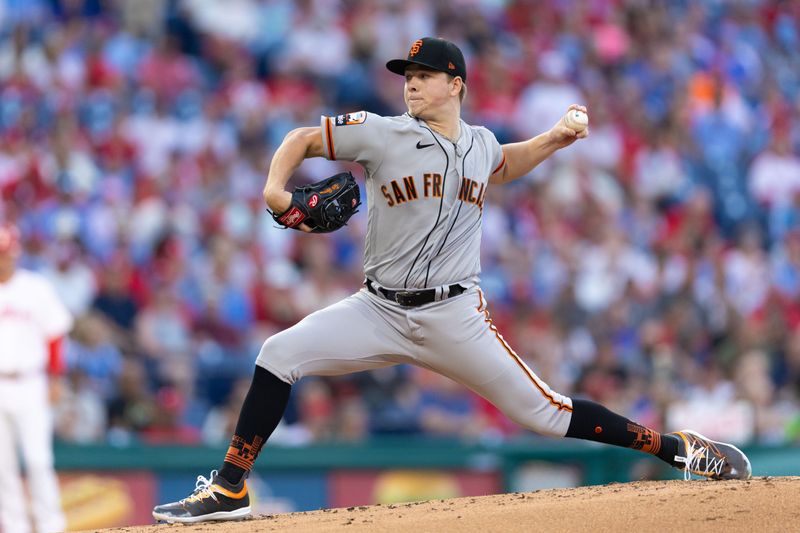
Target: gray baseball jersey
425 195
425 198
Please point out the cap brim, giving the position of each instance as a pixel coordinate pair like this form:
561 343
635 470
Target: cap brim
398 66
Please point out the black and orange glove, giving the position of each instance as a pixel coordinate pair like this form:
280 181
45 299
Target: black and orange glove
323 206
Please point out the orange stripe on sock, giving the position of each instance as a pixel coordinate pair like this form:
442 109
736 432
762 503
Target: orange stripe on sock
655 446
531 376
234 456
646 439
238 461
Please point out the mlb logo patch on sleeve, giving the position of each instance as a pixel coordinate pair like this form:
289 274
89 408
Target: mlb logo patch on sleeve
348 119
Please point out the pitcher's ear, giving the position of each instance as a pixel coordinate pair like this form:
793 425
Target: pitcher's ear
458 83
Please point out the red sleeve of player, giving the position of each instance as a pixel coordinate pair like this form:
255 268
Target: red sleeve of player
55 362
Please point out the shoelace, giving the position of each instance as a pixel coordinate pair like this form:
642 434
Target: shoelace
201 489
692 462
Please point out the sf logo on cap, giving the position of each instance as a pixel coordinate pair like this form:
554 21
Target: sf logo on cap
415 48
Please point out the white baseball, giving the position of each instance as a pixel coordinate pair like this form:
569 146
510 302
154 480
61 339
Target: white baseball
576 119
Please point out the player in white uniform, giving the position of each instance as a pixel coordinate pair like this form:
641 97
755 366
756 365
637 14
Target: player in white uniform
427 172
33 322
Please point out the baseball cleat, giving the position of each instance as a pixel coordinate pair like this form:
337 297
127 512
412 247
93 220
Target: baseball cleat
714 460
212 499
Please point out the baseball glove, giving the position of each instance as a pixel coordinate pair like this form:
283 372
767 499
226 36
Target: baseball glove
323 206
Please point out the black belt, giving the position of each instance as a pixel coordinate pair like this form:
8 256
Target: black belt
413 298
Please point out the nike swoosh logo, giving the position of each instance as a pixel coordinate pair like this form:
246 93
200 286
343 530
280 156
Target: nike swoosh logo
421 146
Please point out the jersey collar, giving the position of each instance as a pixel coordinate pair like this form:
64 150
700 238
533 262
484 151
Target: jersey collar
463 136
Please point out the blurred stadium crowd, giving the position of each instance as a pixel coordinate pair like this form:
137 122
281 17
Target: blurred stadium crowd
654 267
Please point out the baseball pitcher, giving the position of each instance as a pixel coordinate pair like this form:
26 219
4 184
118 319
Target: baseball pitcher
427 172
33 322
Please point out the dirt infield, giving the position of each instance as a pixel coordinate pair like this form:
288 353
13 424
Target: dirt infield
761 504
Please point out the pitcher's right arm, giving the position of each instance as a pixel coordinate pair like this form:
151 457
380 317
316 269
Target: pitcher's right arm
299 144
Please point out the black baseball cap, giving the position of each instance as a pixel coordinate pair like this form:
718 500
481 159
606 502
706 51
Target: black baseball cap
434 53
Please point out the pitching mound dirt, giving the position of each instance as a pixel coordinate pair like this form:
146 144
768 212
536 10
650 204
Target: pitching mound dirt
762 504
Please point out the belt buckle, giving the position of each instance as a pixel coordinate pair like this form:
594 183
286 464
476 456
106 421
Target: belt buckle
405 298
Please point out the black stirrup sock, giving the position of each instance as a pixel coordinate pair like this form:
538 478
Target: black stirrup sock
592 421
261 412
